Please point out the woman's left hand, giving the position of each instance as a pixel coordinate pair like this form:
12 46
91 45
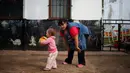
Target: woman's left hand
78 49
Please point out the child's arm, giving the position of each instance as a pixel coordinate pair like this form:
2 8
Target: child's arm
46 41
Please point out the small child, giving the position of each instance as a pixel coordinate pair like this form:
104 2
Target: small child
52 49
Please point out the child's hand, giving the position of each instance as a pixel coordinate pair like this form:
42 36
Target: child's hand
43 38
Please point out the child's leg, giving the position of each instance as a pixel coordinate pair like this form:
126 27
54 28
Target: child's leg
49 61
51 58
54 64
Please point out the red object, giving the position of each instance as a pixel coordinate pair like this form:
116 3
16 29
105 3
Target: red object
73 31
116 45
61 34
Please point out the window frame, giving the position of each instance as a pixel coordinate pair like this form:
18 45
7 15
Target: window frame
56 18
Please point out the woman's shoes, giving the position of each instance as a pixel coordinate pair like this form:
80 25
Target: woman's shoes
80 65
64 63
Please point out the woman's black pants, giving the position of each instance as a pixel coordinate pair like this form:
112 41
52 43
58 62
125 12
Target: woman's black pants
81 57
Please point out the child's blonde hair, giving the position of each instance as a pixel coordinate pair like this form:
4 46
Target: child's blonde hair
51 31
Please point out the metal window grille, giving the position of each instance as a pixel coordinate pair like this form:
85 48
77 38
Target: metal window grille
59 9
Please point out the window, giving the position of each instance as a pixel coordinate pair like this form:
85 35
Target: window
59 9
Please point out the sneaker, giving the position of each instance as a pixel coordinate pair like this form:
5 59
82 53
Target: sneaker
54 67
47 69
80 65
64 63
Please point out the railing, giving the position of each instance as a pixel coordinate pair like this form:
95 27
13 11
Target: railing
117 22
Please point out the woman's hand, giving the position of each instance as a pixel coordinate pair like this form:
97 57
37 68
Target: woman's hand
78 49
68 49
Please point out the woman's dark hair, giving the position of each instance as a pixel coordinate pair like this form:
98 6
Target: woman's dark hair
70 20
60 22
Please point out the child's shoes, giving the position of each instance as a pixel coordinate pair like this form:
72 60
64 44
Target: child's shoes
54 67
47 69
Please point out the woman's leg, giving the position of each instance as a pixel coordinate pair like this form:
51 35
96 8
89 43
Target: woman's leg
70 57
81 57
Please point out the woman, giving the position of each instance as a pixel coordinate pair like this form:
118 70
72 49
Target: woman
74 37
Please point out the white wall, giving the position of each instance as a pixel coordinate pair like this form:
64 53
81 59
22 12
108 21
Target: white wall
117 10
35 9
126 9
111 10
86 9
81 9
